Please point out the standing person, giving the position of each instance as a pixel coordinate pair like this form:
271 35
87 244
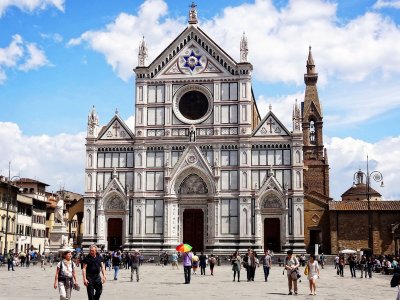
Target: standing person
65 277
370 265
187 265
203 263
322 260
313 273
337 263
195 263
341 265
116 260
135 262
10 258
291 266
352 265
236 265
363 266
266 261
174 258
94 273
212 262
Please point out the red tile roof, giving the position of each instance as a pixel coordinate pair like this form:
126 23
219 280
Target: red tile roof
363 205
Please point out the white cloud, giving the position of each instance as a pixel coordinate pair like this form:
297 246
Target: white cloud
31 5
387 4
35 60
119 40
130 122
21 55
348 155
55 160
55 37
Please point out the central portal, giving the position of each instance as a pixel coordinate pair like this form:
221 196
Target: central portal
272 234
114 233
193 228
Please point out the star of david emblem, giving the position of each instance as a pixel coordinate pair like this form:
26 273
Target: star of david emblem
192 61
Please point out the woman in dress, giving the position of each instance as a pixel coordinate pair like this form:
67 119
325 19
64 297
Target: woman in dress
195 263
313 273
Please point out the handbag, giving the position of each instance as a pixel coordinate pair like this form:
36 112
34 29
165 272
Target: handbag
295 275
306 270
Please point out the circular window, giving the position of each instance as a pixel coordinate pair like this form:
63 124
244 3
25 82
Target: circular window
193 105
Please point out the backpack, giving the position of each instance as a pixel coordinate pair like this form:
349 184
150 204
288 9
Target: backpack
61 277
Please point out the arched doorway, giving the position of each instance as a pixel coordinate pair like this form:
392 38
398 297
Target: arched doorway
193 228
272 235
114 233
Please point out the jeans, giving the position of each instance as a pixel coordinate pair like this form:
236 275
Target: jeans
353 270
116 271
238 275
341 270
94 287
133 269
10 264
363 270
203 270
187 270
250 273
266 272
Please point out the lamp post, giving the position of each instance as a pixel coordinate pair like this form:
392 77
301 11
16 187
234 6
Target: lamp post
8 209
378 177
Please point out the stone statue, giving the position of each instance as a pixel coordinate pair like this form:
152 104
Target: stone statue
59 211
71 243
46 242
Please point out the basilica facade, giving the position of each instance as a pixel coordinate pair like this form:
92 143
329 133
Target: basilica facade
200 166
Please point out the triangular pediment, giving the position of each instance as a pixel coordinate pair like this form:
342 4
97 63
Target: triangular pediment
116 129
192 53
113 195
270 126
314 112
270 184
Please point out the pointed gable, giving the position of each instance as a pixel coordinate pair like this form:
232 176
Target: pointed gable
191 53
116 129
270 126
191 162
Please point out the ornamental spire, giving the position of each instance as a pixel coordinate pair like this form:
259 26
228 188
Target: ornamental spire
244 48
193 14
142 55
310 62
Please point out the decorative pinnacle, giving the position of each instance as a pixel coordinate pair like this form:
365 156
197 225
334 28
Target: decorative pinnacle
270 107
193 14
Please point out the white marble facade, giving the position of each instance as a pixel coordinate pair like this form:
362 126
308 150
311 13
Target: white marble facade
201 166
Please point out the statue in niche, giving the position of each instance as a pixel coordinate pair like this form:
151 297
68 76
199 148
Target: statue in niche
193 184
272 202
115 203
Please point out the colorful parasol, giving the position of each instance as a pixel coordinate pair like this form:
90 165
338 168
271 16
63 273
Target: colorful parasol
183 247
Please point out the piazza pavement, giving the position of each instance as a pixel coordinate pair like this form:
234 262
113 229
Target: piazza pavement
157 282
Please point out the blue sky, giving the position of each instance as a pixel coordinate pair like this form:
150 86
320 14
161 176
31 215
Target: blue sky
60 57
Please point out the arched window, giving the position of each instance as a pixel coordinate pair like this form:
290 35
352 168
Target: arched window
300 221
244 180
244 224
312 133
244 158
88 224
139 182
139 160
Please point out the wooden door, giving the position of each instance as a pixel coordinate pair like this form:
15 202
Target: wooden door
193 228
272 234
114 233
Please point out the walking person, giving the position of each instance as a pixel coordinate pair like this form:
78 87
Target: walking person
94 273
312 272
236 265
195 263
116 260
135 262
266 261
352 265
341 265
370 265
291 266
363 266
65 278
211 261
187 265
174 259
203 263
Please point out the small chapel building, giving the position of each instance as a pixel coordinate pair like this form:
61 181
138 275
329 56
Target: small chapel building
200 166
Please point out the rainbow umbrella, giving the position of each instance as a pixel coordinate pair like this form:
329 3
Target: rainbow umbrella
183 247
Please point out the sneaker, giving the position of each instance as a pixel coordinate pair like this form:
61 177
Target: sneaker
290 293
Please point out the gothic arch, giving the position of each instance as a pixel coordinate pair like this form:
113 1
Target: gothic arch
193 184
192 170
272 200
114 202
297 157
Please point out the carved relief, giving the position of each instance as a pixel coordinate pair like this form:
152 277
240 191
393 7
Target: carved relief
193 184
115 204
272 202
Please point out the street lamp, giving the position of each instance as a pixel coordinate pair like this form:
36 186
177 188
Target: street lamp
8 209
378 177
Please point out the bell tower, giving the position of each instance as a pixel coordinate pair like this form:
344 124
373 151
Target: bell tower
316 168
